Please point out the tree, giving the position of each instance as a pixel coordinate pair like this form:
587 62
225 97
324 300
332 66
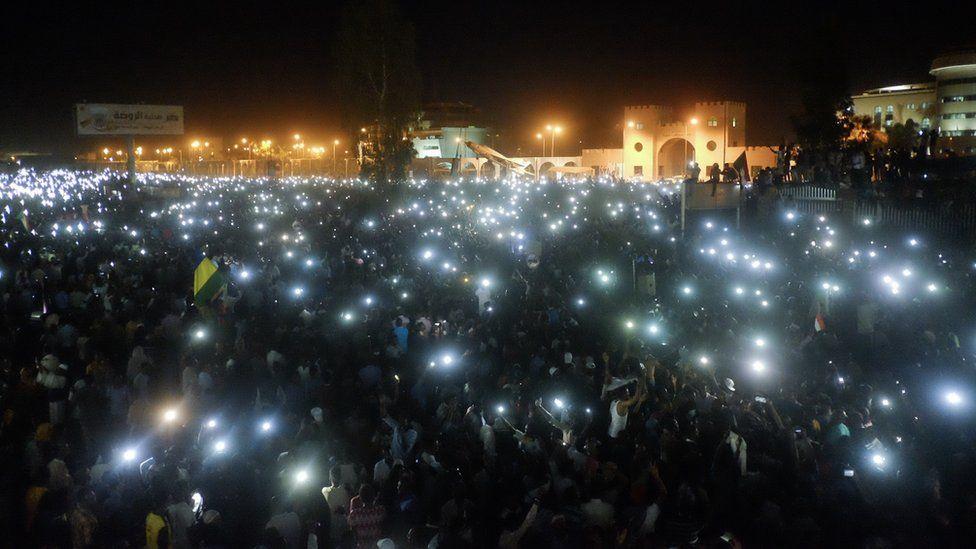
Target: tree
378 83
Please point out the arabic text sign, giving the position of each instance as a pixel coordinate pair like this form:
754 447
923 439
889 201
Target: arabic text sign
112 119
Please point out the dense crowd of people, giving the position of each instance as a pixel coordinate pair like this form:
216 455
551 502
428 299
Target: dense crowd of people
513 364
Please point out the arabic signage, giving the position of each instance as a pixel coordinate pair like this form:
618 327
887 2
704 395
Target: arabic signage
113 119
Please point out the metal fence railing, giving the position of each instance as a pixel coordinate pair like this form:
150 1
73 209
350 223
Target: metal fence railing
945 219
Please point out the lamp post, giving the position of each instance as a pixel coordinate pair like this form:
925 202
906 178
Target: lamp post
552 141
334 144
540 137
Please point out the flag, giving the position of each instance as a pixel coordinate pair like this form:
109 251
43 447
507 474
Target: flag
818 323
208 283
741 165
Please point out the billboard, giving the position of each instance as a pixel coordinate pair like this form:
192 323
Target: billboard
113 119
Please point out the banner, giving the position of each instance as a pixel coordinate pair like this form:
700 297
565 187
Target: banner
112 119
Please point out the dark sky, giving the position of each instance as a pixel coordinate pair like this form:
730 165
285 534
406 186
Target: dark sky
266 68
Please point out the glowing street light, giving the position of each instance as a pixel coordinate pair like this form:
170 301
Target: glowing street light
170 415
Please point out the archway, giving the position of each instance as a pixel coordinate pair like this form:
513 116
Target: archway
488 170
469 168
674 156
544 168
570 164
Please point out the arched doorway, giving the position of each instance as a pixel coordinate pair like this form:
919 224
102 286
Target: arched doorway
674 156
544 168
469 168
488 170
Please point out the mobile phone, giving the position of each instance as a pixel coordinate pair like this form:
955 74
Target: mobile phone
848 473
761 399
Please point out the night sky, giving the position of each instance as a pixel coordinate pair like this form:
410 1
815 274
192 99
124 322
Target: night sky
266 68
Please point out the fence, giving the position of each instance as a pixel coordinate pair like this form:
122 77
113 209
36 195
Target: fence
807 192
946 219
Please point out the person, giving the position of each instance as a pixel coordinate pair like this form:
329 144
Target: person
620 409
157 531
713 174
366 517
402 334
729 175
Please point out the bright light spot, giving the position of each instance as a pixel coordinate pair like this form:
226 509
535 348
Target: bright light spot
878 460
760 342
169 416
265 426
129 454
220 446
758 366
500 409
301 477
953 398
212 424
559 403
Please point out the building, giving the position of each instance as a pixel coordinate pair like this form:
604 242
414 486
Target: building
947 105
898 104
658 145
955 79
443 129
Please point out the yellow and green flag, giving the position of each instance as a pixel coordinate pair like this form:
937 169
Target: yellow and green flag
208 283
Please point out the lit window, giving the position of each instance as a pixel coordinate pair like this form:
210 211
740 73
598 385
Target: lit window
734 121
925 105
639 125
890 108
713 122
926 122
877 110
911 106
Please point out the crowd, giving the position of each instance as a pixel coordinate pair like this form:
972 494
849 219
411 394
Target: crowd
473 363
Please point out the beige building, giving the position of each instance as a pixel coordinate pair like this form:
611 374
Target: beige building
947 105
898 104
656 144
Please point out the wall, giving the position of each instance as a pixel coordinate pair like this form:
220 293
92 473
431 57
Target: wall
603 161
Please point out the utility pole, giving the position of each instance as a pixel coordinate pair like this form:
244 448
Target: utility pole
130 161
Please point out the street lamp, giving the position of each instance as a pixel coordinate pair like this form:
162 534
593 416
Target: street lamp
334 144
543 139
552 139
687 163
